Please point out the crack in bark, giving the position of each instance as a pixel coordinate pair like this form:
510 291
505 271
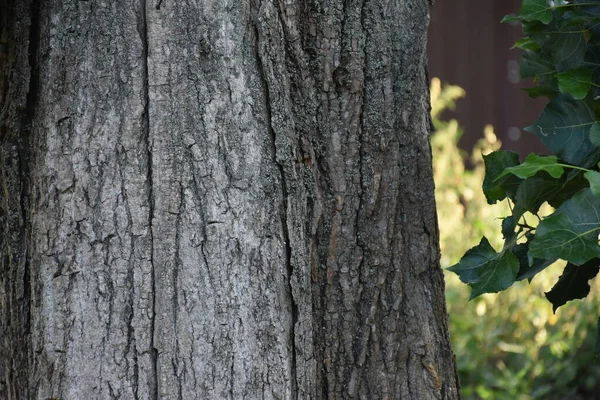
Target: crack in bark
18 334
130 279
24 152
146 132
178 265
15 134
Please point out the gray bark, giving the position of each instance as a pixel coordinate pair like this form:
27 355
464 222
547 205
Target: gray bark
222 199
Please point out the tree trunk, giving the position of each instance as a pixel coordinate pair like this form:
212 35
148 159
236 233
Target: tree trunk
223 199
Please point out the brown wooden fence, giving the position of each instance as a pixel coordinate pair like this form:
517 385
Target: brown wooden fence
469 47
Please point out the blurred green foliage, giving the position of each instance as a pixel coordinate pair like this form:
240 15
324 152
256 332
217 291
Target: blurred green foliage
508 345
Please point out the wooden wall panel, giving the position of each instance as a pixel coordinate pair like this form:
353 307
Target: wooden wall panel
469 47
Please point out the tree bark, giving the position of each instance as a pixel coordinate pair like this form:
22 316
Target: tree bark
221 199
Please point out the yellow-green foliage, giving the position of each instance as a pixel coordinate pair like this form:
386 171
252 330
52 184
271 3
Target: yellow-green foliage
508 345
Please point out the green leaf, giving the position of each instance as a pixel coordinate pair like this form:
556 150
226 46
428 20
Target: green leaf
557 238
527 271
592 58
564 128
541 90
591 7
571 233
593 178
533 192
595 133
510 18
495 163
526 43
485 270
562 42
570 183
536 65
534 164
573 283
532 10
509 224
576 82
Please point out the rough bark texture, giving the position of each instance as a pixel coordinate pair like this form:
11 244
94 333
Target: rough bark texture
219 199
15 27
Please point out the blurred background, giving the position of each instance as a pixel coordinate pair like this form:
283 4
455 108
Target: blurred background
469 47
508 345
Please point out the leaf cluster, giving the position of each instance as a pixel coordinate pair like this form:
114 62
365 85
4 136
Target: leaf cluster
561 52
547 360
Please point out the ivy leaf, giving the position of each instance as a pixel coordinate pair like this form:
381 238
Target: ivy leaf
571 233
573 283
533 192
563 42
495 163
592 56
564 128
593 178
527 271
557 238
534 164
589 6
526 43
595 133
570 183
532 10
536 65
509 224
576 82
541 90
485 270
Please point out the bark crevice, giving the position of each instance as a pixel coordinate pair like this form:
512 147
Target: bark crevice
284 218
25 133
149 180
31 102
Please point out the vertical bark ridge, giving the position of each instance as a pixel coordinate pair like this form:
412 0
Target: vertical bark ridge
17 27
145 124
377 270
292 106
89 206
284 207
24 156
29 115
222 287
